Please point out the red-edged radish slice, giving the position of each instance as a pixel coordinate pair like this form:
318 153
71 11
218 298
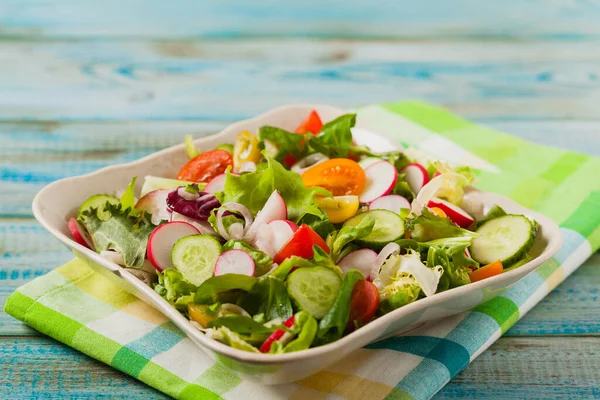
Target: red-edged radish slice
362 260
282 232
162 239
456 214
273 209
155 203
381 178
79 234
217 184
391 202
416 176
366 162
279 335
234 262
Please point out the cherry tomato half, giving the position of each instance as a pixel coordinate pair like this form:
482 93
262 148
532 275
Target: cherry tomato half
206 166
363 303
340 176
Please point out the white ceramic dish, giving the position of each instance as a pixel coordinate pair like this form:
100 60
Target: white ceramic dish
58 201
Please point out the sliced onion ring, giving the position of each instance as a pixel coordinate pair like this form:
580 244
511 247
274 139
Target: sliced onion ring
232 309
187 195
388 250
309 161
237 208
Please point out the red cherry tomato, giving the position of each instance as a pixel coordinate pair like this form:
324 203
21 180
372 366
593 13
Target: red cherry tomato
301 245
363 303
277 335
311 124
204 167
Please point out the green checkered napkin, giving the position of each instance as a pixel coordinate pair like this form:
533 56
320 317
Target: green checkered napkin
82 309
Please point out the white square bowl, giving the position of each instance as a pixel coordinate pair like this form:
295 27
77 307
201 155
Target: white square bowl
59 201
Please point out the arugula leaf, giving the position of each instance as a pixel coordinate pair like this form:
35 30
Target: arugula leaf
253 189
305 327
269 297
429 226
335 137
322 259
286 143
240 324
210 290
262 261
122 232
128 198
174 288
350 233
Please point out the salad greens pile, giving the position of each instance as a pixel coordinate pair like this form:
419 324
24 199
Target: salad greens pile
285 240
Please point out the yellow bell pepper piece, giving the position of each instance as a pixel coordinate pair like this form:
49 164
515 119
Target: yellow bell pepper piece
245 149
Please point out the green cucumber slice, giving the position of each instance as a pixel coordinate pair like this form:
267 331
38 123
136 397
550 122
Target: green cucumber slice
152 183
507 238
314 289
388 227
195 257
97 201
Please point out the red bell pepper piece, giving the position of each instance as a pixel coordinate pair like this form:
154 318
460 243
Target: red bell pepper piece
277 335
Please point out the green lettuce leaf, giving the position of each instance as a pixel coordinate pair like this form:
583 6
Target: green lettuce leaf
211 289
429 226
494 212
241 324
320 224
268 297
253 190
232 339
174 288
348 234
454 275
284 142
322 259
404 295
262 262
334 323
128 198
283 270
122 232
305 330
335 138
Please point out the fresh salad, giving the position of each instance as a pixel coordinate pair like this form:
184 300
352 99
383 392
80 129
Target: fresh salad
283 241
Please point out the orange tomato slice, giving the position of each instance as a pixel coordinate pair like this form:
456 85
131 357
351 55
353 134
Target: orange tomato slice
487 271
340 176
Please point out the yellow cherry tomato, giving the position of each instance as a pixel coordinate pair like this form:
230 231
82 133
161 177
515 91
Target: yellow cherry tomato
245 149
339 208
201 313
438 211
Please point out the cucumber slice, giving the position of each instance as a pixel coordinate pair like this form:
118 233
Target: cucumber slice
152 183
389 227
195 257
314 289
507 238
97 201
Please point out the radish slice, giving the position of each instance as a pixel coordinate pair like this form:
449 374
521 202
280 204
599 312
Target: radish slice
456 214
217 184
155 203
162 239
204 227
282 230
381 178
273 209
416 176
362 260
391 202
366 162
79 234
234 262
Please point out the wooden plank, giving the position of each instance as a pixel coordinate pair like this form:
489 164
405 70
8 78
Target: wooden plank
531 368
28 251
515 368
215 80
313 18
43 368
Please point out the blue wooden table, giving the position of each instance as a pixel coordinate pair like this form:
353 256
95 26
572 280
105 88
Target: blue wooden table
85 84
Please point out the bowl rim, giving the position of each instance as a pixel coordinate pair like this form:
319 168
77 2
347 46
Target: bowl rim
372 328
